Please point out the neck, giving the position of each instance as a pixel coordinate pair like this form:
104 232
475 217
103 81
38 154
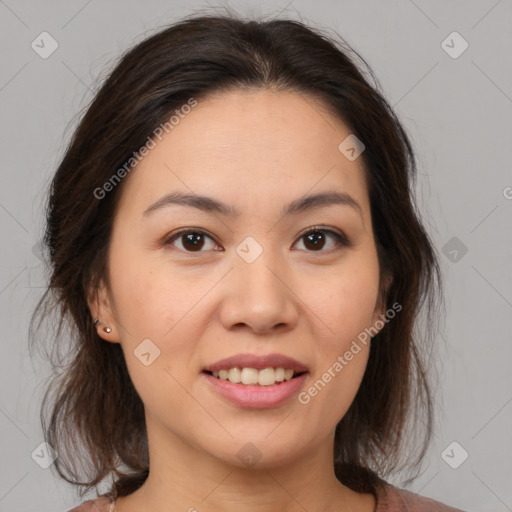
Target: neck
185 477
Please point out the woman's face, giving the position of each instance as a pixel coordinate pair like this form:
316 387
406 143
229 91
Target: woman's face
257 283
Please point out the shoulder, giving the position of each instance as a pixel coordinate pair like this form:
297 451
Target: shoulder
100 504
393 499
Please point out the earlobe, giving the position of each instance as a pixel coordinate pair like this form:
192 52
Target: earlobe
102 313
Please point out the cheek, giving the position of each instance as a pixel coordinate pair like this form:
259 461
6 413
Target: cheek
155 311
150 298
350 311
153 302
345 303
344 308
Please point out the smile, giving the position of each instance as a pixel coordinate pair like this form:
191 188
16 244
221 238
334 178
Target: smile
252 376
256 396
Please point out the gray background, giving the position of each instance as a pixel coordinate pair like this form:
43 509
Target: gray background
458 113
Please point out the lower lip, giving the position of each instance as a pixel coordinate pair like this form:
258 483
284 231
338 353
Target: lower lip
256 397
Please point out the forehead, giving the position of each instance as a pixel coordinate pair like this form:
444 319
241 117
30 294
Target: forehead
241 145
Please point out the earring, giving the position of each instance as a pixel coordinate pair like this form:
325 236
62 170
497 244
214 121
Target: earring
105 329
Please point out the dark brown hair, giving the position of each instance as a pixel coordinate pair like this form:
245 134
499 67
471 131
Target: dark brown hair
95 418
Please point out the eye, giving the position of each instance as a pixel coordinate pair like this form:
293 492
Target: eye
316 237
191 240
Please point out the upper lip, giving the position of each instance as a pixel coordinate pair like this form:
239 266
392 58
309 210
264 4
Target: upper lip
257 362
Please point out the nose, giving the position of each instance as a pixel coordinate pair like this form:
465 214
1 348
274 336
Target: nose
259 296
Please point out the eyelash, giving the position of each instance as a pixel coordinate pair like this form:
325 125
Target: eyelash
341 239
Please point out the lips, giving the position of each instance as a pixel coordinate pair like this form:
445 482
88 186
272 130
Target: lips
257 362
255 397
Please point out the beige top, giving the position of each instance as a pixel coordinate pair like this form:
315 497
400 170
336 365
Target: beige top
389 499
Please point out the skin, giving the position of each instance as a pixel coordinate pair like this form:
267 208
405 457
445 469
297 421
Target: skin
256 151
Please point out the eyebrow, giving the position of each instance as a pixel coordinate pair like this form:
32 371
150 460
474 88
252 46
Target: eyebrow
209 204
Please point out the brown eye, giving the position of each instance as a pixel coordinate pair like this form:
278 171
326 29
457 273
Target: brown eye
317 238
190 240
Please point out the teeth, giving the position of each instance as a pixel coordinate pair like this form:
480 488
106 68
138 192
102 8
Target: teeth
235 375
266 377
251 376
279 374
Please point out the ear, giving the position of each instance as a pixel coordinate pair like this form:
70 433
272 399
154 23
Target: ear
100 306
380 307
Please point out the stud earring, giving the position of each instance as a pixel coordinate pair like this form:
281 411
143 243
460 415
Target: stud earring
105 329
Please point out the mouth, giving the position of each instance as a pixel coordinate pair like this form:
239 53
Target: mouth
253 377
256 381
255 395
252 369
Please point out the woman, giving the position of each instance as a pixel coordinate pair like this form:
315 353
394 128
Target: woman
235 245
